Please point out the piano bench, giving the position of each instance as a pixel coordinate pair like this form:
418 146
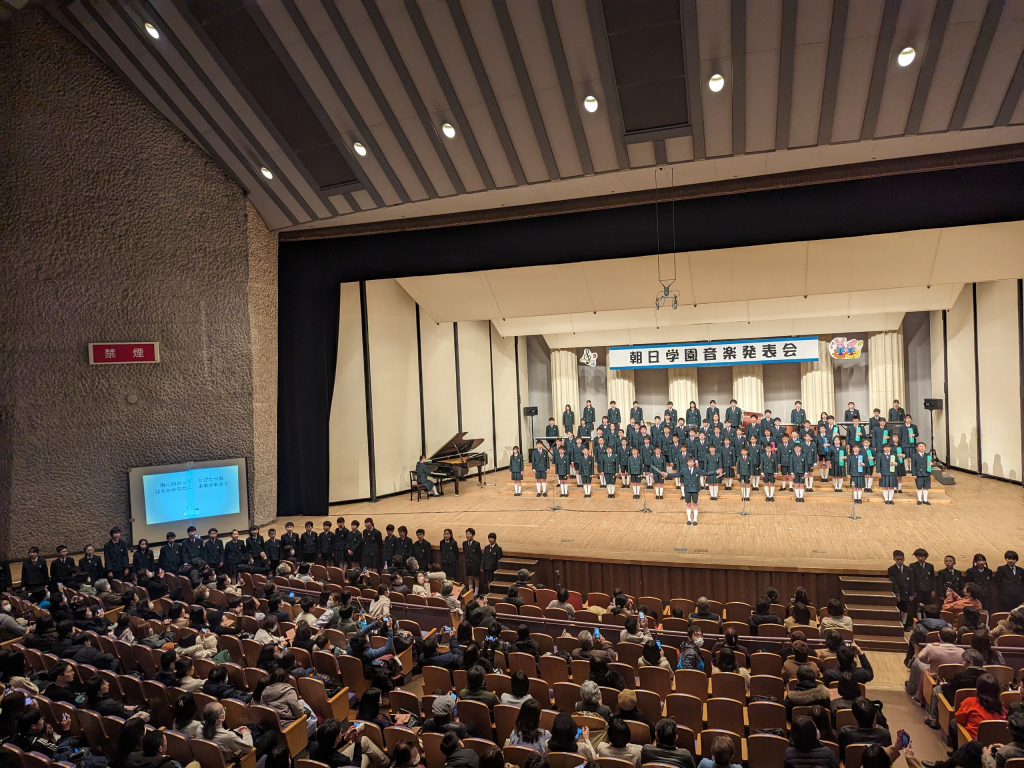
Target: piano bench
415 486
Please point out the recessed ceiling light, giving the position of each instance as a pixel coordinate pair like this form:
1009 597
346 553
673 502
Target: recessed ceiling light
906 56
716 83
267 172
152 31
360 149
448 130
590 104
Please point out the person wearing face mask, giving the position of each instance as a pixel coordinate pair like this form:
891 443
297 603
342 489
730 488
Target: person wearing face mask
11 627
689 650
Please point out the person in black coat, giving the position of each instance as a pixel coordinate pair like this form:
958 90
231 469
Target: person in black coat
170 554
492 555
290 537
234 554
34 574
143 560
91 565
61 568
473 556
213 550
354 554
924 579
903 586
449 554
1009 582
115 556
421 549
979 573
373 545
191 546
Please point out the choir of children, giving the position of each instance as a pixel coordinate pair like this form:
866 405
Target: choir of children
702 449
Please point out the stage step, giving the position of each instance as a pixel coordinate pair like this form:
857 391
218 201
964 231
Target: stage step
868 583
879 643
865 597
861 613
877 628
511 572
515 563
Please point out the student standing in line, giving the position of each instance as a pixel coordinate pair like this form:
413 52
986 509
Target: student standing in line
856 466
325 544
798 415
551 430
786 461
924 580
586 471
636 413
622 452
472 555
979 573
769 467
671 414
902 579
712 469
728 454
568 419
711 412
561 460
796 471
745 468
290 537
851 413
490 558
608 466
691 490
421 549
823 446
309 541
355 545
614 416
836 459
734 414
340 550
515 468
1009 582
810 456
901 463
754 451
539 462
887 471
589 415
115 556
658 472
635 469
213 551
896 413
373 543
692 415
921 467
869 457
449 554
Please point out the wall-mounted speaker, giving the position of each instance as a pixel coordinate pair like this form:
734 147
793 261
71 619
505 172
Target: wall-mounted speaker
933 403
531 410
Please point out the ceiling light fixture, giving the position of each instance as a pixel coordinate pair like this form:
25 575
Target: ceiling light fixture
267 172
716 83
448 130
906 57
590 104
152 31
360 149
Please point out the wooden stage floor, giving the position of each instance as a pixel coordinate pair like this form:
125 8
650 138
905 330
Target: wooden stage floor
980 515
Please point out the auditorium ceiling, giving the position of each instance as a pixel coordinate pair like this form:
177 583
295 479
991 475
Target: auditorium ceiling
337 114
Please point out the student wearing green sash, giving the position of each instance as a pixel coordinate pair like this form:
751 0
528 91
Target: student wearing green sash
887 461
869 457
909 434
857 467
901 464
837 464
921 467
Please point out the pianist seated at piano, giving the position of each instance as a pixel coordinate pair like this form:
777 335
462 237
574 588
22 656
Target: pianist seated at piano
422 476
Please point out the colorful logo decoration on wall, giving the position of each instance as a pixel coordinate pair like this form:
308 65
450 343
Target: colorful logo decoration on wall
589 358
842 348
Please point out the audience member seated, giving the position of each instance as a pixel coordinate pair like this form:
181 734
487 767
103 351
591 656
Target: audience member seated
653 656
512 597
524 643
762 614
634 631
805 749
970 599
563 738
799 616
689 650
823 722
618 745
98 699
527 731
664 749
62 675
475 689
931 657
985 705
866 731
520 690
471 657
704 612
727 663
982 643
801 657
456 754
628 710
808 691
722 752
217 685
730 640
442 717
593 648
280 695
849 690
336 746
1011 625
603 675
591 703
835 619
848 657
185 716
562 601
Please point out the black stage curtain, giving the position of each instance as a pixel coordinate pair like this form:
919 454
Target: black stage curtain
311 271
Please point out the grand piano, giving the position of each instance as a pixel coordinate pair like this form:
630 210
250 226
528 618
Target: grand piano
454 460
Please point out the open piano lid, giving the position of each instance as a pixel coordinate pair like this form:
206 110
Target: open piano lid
457 446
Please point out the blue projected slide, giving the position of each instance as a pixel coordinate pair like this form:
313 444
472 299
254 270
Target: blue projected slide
191 494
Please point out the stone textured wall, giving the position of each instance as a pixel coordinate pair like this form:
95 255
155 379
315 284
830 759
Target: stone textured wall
116 227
